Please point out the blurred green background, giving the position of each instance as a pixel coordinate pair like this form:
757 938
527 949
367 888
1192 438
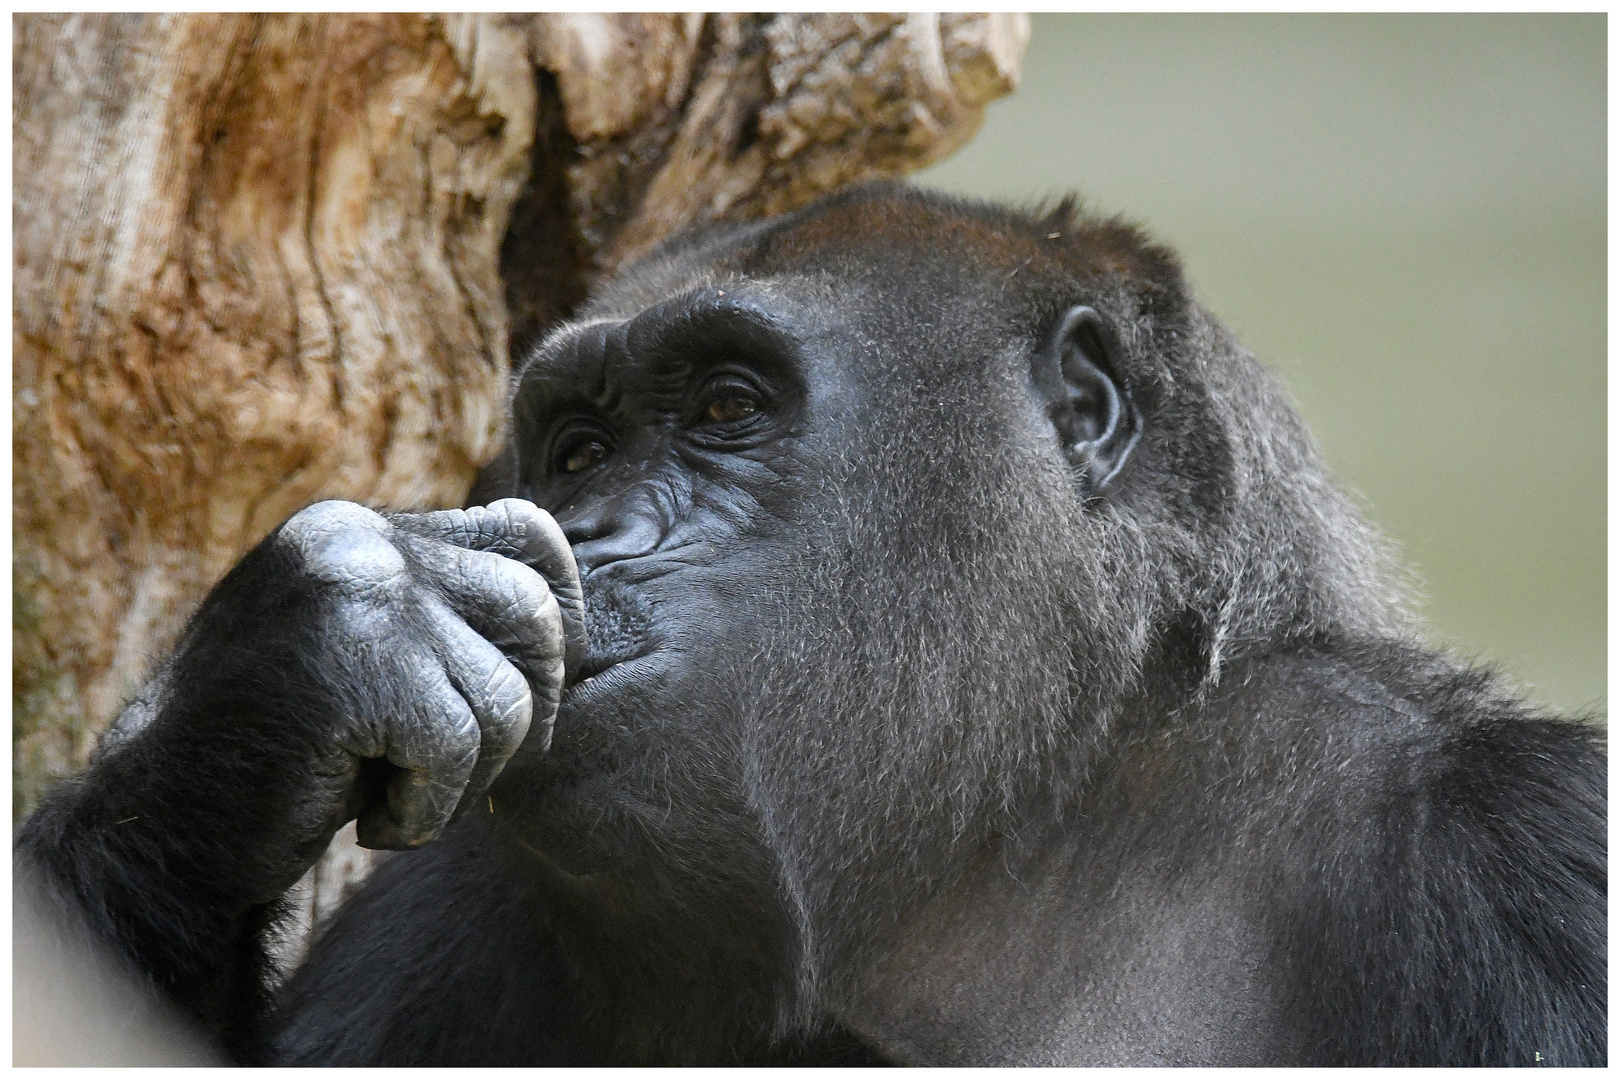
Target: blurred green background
1404 217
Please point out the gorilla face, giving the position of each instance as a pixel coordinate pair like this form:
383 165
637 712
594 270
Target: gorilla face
877 535
679 446
830 507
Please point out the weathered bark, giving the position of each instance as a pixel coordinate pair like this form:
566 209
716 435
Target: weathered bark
262 260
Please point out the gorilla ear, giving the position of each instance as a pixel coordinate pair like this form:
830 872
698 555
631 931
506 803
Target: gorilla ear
1094 418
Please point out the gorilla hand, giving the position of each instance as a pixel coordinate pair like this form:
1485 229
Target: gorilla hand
465 649
352 665
362 666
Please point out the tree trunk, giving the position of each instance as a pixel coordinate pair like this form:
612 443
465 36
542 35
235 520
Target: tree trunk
262 260
255 266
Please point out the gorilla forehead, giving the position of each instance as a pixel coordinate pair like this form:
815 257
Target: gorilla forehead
903 235
914 270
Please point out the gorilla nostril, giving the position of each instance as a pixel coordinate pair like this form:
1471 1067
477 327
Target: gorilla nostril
580 532
613 540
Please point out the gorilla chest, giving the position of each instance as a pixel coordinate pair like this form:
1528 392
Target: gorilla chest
1137 980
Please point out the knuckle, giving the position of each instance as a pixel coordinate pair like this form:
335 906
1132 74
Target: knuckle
516 514
506 687
459 734
549 673
344 544
333 515
444 526
535 531
519 717
519 594
439 731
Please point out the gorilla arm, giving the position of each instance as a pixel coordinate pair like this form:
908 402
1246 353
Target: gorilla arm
351 666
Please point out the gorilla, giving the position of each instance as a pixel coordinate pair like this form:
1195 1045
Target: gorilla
916 633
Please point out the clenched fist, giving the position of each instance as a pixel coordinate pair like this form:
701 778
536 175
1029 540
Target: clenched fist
376 667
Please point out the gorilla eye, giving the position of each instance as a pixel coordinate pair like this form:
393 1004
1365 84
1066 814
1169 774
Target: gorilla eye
729 410
583 456
729 406
578 446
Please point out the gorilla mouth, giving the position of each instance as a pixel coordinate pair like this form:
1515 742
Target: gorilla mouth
607 672
617 625
595 663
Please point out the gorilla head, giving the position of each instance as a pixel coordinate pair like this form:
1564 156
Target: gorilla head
891 513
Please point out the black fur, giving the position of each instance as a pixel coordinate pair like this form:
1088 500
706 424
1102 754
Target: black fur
978 690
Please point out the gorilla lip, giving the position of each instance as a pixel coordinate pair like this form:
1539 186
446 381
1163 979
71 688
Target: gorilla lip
596 664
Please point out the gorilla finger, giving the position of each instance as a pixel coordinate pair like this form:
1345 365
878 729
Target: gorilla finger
498 694
546 548
343 544
433 749
505 601
517 529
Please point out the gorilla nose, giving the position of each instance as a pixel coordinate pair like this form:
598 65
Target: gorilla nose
610 534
